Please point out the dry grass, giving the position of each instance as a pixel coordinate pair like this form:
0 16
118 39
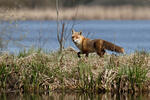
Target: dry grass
34 71
81 12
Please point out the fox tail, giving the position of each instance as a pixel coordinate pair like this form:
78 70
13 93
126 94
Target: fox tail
110 46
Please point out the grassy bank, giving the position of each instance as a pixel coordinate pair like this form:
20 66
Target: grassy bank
36 71
81 12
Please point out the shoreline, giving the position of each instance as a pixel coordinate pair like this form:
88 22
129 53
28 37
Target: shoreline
78 13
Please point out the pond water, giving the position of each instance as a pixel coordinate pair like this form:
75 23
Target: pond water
77 96
132 35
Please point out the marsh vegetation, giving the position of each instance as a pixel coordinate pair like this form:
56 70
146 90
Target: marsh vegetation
126 12
74 9
38 71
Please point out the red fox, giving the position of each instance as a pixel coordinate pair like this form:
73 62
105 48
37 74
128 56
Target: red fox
87 45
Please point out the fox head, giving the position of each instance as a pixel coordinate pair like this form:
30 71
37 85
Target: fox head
77 37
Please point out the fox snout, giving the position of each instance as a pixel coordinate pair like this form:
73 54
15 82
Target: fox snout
77 41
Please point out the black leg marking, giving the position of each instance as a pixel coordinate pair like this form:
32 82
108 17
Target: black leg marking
86 54
79 54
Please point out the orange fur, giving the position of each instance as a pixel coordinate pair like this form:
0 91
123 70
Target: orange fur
99 46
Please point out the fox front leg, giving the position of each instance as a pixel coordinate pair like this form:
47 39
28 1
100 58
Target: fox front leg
86 54
79 54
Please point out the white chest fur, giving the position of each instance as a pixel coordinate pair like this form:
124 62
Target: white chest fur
78 43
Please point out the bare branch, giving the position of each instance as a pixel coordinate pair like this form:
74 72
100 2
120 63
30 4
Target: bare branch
57 10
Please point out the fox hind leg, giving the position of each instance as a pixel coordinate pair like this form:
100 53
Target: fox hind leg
101 53
99 49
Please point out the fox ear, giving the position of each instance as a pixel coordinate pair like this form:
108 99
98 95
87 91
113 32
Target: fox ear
73 31
80 32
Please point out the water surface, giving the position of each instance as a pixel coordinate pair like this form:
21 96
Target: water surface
132 35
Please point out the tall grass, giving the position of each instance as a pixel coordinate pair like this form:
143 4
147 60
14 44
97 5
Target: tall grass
81 12
37 71
136 71
86 77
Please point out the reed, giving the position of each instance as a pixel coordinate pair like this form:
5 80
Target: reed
37 71
81 13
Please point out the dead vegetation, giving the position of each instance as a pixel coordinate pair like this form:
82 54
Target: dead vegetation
80 13
35 71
